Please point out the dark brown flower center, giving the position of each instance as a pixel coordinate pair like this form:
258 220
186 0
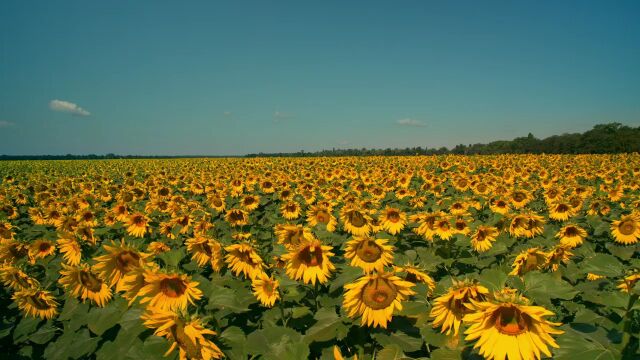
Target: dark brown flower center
90 281
511 321
173 287
127 260
369 251
356 219
393 216
311 255
37 300
627 227
378 294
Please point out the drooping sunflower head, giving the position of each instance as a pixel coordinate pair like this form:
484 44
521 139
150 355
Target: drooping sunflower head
291 235
265 289
205 250
70 249
36 302
16 279
560 254
449 309
528 260
505 325
416 275
81 281
40 249
243 259
368 253
375 297
628 282
185 332
169 291
310 262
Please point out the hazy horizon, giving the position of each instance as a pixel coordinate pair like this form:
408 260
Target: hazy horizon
162 78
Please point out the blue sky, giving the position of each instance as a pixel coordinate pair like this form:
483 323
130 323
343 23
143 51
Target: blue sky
234 77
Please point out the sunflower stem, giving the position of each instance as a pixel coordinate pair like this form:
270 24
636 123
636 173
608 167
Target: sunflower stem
626 328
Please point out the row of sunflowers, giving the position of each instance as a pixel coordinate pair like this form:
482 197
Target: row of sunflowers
448 257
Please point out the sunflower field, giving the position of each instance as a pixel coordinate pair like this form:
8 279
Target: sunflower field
426 257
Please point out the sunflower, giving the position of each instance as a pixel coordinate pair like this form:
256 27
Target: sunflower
205 250
449 309
528 260
369 254
626 230
320 214
484 236
594 277
188 335
243 258
236 217
217 202
157 247
71 250
265 289
36 303
507 326
356 222
16 279
443 228
137 225
5 231
40 249
520 198
310 262
166 228
415 275
561 211
133 281
168 291
499 206
290 210
426 224
375 297
11 250
119 261
571 235
526 225
393 220
250 202
291 235
559 254
82 282
627 283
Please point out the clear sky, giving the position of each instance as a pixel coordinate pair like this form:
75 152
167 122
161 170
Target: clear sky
233 77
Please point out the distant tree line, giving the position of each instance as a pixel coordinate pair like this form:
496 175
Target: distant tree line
602 139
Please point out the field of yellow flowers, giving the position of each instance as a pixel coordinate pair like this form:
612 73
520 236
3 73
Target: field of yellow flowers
447 257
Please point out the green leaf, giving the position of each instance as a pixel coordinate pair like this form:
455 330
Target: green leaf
231 300
300 311
541 287
277 343
328 326
579 345
100 320
44 334
602 264
72 345
25 327
172 258
348 274
234 338
446 354
407 343
390 352
493 279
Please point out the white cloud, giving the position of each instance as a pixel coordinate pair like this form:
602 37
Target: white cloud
4 124
68 107
410 122
280 115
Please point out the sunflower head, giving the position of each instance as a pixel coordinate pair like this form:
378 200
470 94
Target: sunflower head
375 297
265 289
449 309
310 262
369 254
36 302
169 291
